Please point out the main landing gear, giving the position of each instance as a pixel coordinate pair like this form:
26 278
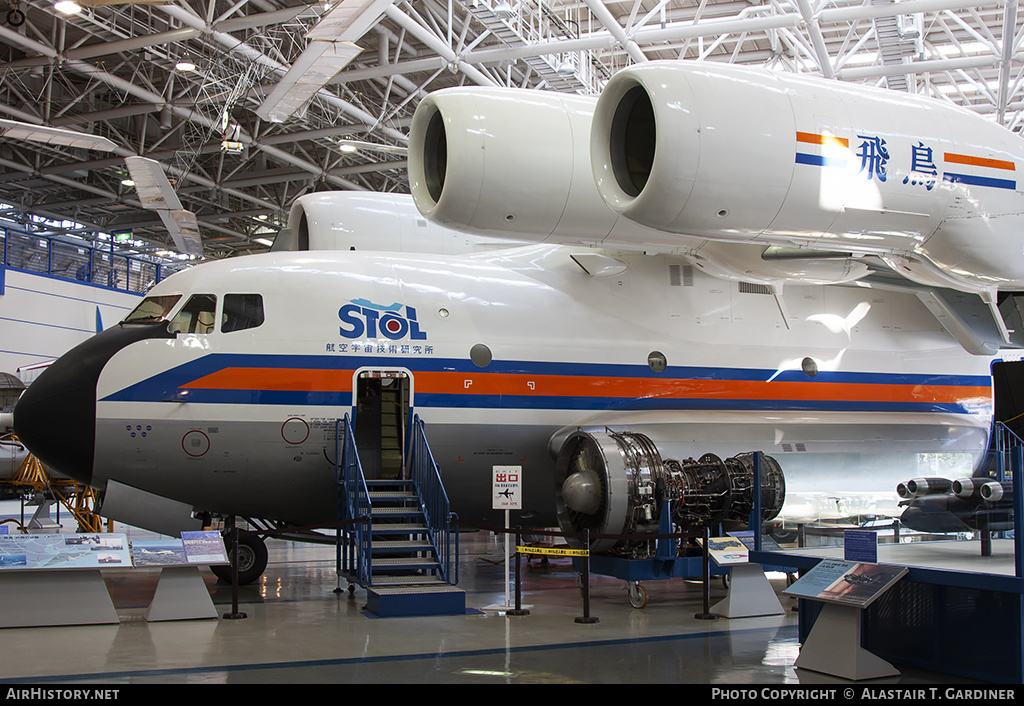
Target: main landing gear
252 559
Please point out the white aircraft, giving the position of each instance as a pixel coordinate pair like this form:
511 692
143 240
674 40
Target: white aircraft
219 394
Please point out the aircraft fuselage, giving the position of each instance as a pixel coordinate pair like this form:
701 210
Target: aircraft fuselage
502 355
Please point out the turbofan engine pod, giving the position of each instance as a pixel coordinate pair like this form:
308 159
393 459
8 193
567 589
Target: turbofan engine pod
614 483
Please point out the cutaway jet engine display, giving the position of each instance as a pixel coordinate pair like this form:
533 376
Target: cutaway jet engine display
614 484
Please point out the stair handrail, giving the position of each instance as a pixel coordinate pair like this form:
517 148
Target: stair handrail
437 513
1005 440
356 502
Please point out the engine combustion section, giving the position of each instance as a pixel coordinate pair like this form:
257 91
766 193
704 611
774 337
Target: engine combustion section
615 483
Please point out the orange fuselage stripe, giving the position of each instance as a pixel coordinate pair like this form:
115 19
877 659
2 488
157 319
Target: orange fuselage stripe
979 161
295 379
815 139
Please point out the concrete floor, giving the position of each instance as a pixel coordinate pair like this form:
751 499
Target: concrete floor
298 630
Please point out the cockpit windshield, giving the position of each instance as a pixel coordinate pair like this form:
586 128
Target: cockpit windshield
153 308
197 316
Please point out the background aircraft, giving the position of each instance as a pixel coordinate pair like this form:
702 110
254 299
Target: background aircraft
783 318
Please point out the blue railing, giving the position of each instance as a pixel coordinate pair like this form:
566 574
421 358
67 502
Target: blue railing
421 468
81 262
1004 442
356 551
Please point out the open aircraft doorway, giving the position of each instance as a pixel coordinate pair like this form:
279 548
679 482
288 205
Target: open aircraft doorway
382 402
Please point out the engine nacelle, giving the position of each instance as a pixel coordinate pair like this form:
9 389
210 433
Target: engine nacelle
614 483
965 487
500 161
743 154
962 505
919 487
994 492
382 222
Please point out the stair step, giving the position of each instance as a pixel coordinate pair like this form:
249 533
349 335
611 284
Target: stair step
398 528
396 545
396 494
397 512
426 580
395 563
409 601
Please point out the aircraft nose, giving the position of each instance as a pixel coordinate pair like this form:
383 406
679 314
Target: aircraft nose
56 416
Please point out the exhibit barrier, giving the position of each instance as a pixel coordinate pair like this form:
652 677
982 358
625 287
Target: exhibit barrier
111 267
667 561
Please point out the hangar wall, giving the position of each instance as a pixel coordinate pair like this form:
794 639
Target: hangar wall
42 317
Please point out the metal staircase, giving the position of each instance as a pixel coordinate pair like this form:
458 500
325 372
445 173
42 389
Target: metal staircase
402 550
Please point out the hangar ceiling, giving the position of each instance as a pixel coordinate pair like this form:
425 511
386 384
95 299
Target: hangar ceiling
111 70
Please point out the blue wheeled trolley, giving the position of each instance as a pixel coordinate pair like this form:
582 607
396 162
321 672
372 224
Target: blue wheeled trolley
667 563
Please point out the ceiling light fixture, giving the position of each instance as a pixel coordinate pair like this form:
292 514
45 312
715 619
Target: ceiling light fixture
185 64
504 10
67 7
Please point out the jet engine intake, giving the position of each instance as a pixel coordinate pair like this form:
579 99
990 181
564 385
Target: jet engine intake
500 161
615 483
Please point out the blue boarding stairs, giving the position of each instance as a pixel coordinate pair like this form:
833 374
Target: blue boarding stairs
402 549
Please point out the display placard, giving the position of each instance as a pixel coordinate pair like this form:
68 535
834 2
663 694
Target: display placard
726 550
846 583
860 545
63 551
193 548
747 537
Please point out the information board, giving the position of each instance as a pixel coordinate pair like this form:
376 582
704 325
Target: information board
726 550
846 583
63 551
193 548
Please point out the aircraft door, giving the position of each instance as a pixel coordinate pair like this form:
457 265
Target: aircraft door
382 402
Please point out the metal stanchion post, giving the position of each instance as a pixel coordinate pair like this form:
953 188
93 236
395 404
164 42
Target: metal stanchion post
233 533
707 614
518 610
586 617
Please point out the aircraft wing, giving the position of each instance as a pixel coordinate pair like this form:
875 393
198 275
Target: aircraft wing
156 193
17 130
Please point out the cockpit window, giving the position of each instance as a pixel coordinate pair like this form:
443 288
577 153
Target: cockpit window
197 316
242 311
153 308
